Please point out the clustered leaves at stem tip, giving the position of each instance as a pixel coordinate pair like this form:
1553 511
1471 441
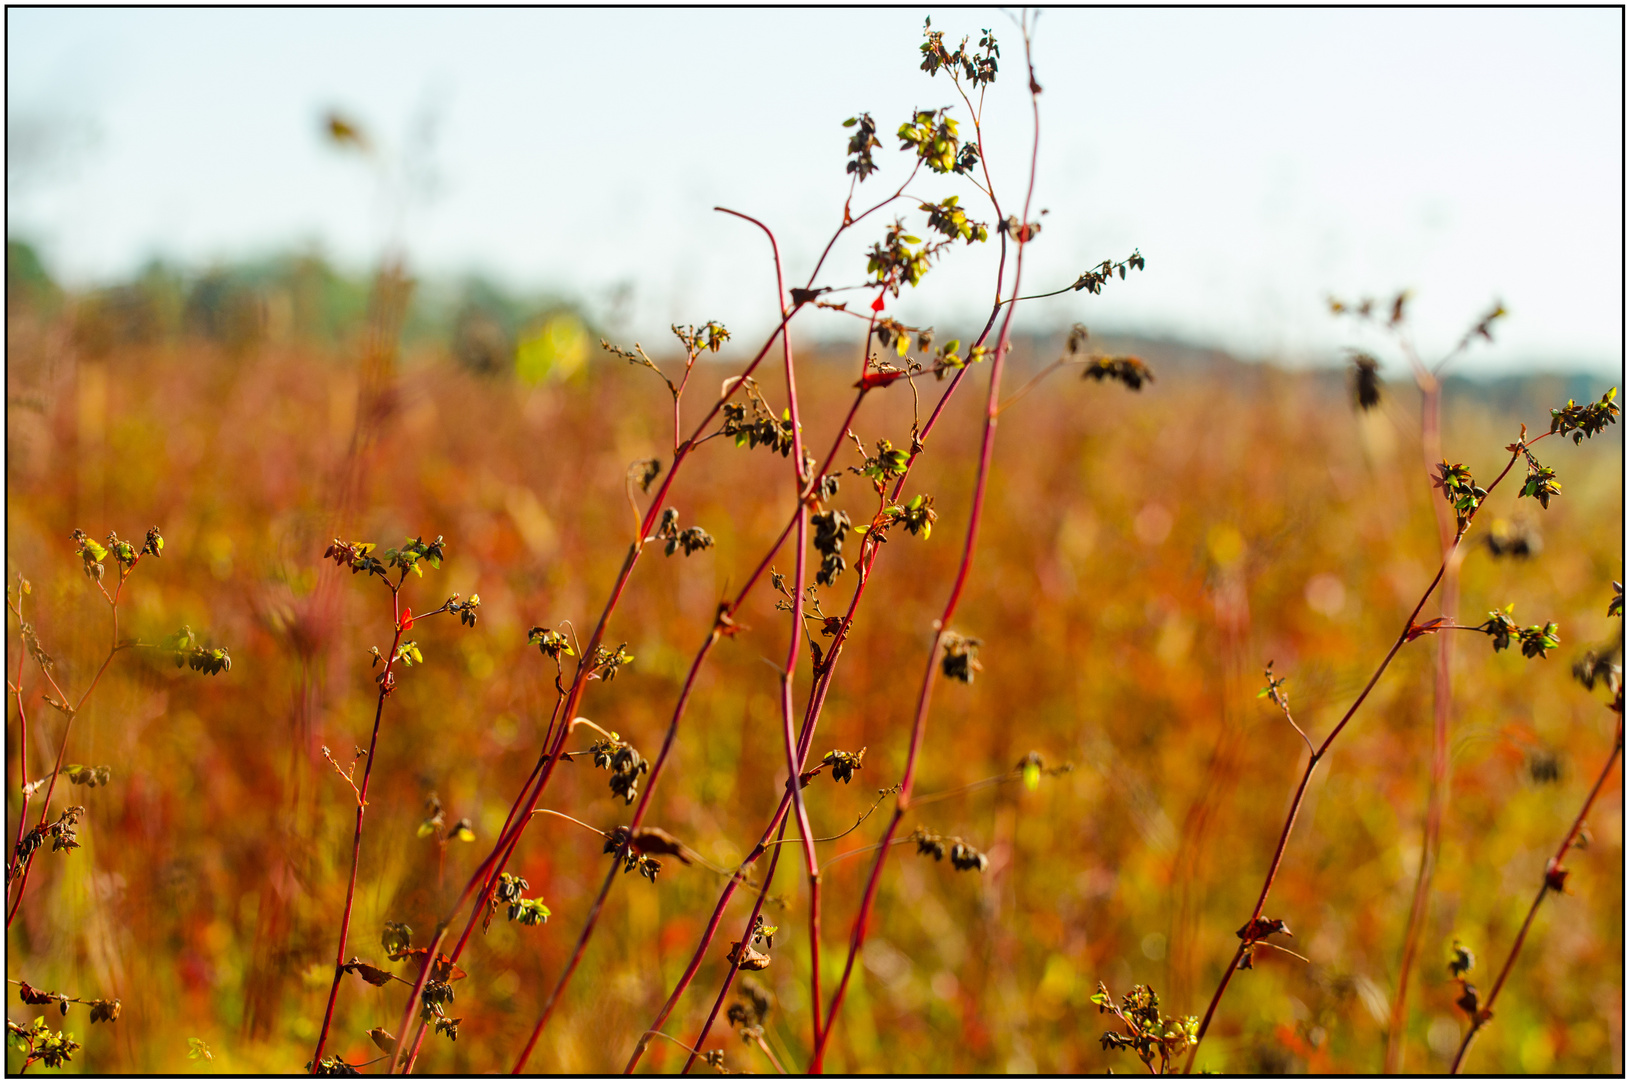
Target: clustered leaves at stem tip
888 462
1092 280
360 558
1457 486
1132 371
935 137
184 646
763 428
979 67
527 911
1147 1032
38 1042
552 643
102 1011
861 144
63 834
607 662
843 763
1535 641
624 763
1585 421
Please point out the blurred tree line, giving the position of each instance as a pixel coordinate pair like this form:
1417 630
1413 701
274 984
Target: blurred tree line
301 298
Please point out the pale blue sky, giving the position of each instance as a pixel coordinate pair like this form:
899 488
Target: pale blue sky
1259 159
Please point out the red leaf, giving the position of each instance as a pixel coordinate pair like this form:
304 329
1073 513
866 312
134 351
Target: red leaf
878 378
406 619
881 302
1418 630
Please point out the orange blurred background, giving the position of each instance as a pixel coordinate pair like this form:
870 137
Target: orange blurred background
1143 556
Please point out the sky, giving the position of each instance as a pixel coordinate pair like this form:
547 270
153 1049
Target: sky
1260 160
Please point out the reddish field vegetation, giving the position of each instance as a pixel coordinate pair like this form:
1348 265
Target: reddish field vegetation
1099 786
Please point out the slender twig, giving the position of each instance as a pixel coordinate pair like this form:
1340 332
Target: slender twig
862 818
386 684
861 921
1407 632
577 821
1553 880
868 553
484 879
62 749
1440 756
672 729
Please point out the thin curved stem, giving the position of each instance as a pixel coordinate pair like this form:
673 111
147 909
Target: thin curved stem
678 712
751 923
1440 756
1552 881
356 844
62 749
1322 750
917 736
484 879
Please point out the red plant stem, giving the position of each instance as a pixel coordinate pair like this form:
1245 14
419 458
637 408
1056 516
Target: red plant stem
506 844
570 968
745 937
816 703
440 931
793 765
671 737
867 559
1321 751
918 734
1440 757
495 862
1556 863
712 925
356 845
